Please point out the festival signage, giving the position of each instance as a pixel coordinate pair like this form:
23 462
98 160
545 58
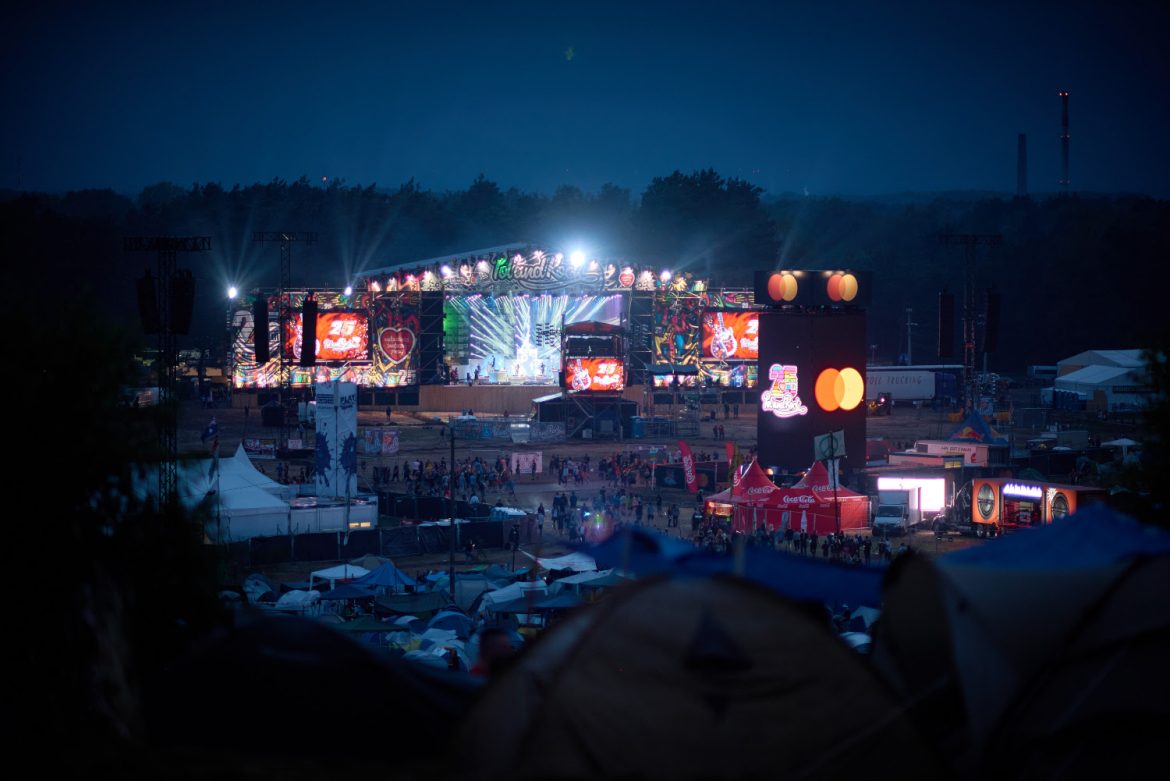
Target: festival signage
730 336
260 448
535 271
688 464
782 399
396 344
341 336
336 440
595 374
807 359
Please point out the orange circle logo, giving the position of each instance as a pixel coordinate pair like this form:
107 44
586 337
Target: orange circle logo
782 287
841 287
839 389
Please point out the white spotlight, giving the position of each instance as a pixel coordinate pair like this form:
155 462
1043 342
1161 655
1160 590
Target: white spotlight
446 271
665 275
577 258
232 292
349 290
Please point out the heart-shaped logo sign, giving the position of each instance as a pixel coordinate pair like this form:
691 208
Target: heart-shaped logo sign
626 278
396 343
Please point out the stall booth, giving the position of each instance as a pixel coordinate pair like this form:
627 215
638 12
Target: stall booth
753 501
996 504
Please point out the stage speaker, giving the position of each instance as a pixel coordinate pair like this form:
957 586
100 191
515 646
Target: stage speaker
309 333
182 301
148 304
260 329
991 322
946 325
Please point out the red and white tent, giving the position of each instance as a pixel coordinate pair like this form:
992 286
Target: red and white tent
808 505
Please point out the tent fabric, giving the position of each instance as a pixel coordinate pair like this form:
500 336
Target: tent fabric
758 502
1064 613
576 561
425 603
687 677
799 578
340 572
975 429
817 478
386 576
348 591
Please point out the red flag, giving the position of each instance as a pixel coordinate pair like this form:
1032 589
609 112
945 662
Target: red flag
688 461
730 448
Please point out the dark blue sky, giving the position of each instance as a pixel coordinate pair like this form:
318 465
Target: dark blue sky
833 97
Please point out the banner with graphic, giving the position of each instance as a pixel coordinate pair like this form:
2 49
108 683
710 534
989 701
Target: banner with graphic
595 374
342 335
336 450
731 336
523 463
688 462
379 441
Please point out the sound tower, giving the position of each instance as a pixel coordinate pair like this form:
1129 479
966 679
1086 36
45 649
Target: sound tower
148 305
431 369
260 329
991 322
641 338
183 298
309 333
946 325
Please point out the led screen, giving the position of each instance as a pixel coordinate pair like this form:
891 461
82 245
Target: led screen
730 335
811 376
595 374
341 336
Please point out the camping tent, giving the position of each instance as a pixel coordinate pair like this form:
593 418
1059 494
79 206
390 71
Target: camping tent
386 576
342 572
1041 649
688 678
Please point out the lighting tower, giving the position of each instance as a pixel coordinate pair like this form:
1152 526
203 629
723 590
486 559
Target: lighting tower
1064 179
168 248
970 243
286 239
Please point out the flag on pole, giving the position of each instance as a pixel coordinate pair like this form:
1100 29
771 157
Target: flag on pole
211 432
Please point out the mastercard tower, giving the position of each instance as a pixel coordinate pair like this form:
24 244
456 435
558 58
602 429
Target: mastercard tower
812 350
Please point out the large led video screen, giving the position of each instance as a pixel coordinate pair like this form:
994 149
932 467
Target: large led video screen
517 338
341 336
730 335
595 374
812 380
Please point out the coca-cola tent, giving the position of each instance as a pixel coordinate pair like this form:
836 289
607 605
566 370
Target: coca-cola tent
753 500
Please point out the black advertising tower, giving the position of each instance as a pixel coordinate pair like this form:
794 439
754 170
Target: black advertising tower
812 352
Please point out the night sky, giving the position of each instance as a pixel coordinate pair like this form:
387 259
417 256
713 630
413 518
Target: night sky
852 98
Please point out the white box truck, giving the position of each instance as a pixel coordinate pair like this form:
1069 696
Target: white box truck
898 511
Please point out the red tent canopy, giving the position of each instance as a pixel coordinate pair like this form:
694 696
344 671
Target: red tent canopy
757 501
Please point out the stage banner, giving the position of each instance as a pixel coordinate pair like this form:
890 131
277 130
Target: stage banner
336 451
260 448
522 463
731 336
688 462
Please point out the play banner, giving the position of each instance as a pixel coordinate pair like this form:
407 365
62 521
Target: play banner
336 450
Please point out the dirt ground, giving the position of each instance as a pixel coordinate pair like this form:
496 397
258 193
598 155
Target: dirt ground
419 437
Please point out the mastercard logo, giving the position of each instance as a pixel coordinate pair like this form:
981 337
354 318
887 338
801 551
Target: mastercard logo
839 389
782 287
841 287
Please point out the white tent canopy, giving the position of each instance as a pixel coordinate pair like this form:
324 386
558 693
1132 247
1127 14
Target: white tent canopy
334 574
578 562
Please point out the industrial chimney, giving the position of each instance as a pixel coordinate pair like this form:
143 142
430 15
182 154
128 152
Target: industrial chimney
1064 180
1022 166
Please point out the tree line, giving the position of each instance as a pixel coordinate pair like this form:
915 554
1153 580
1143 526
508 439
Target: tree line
1074 273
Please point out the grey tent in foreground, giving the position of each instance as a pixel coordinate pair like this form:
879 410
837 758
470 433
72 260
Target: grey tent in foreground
1038 654
687 677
